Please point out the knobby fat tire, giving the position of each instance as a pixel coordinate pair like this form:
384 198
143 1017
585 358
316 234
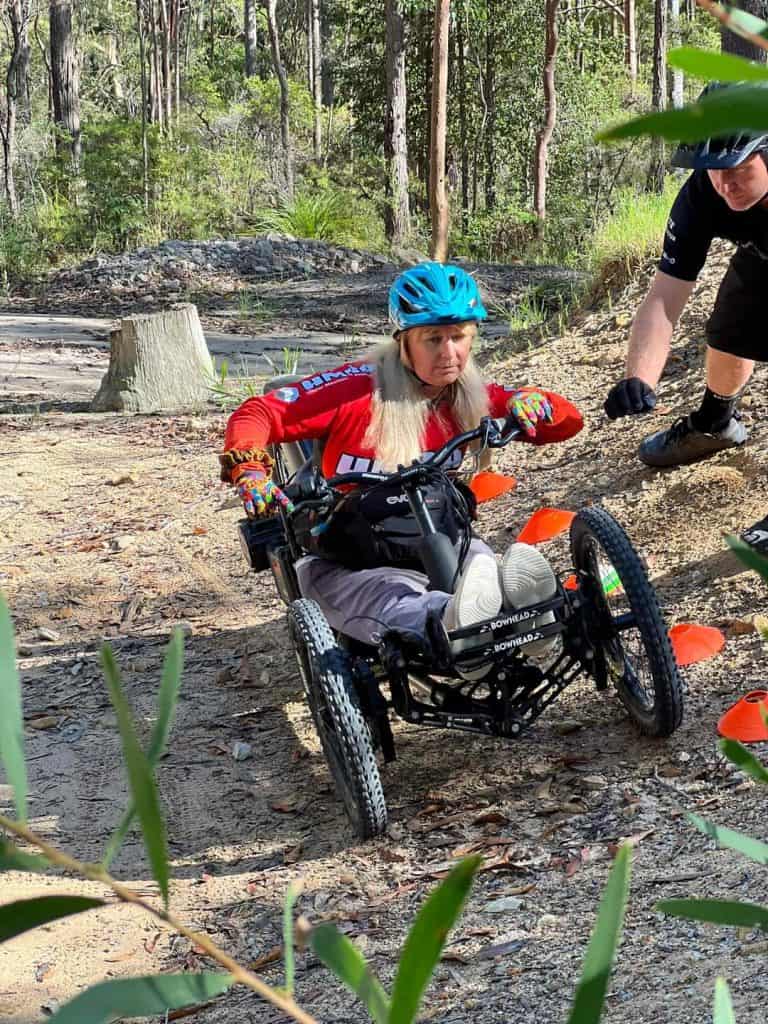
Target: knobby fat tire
667 711
331 674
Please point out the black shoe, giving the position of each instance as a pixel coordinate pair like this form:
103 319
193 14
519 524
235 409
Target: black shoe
683 443
757 536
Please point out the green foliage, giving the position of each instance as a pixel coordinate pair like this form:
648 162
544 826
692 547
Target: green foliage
229 389
590 995
723 1009
291 896
631 234
140 776
747 554
101 1004
327 213
426 939
744 759
741 915
349 965
140 997
720 113
721 67
11 721
21 916
170 685
420 956
752 848
727 912
13 859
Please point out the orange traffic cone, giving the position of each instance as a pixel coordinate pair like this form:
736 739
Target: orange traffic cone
744 720
692 642
488 485
544 524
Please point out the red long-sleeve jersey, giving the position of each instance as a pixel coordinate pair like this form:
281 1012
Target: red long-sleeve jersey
335 407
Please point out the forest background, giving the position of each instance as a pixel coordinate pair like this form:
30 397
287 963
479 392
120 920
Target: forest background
124 124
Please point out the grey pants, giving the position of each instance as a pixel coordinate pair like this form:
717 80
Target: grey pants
365 603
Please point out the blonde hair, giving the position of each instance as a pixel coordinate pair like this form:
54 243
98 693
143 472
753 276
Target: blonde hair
399 411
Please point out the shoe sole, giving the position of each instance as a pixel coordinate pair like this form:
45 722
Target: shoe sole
478 594
527 578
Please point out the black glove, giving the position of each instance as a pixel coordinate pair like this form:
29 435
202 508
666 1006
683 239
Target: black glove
629 397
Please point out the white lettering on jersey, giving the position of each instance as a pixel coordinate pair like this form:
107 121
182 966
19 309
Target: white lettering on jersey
349 463
331 376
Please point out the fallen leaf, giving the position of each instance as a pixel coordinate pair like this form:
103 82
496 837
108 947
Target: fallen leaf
739 627
43 971
544 791
244 670
566 726
118 958
199 531
150 944
288 805
43 722
502 949
274 954
491 818
293 854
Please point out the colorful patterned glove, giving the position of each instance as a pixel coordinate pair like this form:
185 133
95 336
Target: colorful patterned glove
529 409
258 492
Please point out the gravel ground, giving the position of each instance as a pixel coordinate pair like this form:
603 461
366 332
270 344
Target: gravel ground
133 540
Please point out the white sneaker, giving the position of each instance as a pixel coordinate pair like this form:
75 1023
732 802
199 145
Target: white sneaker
527 578
477 595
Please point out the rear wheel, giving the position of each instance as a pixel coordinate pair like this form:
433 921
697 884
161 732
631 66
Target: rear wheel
327 674
625 623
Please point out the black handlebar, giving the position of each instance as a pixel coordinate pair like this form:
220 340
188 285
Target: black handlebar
496 433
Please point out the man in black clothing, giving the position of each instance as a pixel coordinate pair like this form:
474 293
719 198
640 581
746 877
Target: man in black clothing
725 197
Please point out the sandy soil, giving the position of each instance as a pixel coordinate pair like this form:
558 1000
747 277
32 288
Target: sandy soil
112 528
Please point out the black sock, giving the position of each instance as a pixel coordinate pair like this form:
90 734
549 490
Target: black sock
715 412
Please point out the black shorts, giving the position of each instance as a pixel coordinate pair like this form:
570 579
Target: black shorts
738 321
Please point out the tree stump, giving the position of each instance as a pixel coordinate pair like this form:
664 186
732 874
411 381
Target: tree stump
159 362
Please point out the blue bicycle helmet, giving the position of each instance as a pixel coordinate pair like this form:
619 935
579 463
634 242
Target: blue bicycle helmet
719 154
434 293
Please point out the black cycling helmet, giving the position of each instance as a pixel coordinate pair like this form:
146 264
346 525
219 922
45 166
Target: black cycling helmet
719 154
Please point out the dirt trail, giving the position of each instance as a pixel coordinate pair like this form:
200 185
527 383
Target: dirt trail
111 528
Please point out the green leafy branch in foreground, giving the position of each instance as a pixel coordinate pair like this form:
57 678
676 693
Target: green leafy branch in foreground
744 107
156 994
730 912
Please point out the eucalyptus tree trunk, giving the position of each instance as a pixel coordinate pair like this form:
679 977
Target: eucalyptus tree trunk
732 43
438 202
22 68
65 83
659 92
317 80
630 41
285 105
113 59
397 217
544 136
489 90
463 134
678 78
18 14
144 102
250 34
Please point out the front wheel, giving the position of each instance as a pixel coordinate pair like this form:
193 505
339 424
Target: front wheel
327 674
626 625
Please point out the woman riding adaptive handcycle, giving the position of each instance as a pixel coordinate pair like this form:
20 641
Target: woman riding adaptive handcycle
393 602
